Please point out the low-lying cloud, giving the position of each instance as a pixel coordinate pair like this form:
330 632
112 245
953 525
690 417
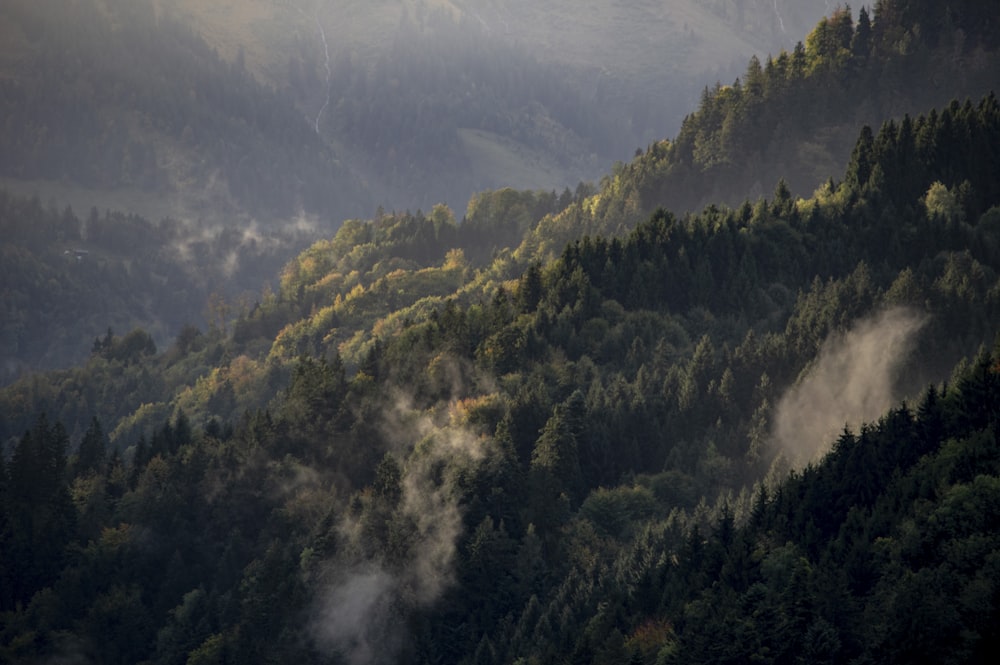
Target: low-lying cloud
356 614
851 381
364 606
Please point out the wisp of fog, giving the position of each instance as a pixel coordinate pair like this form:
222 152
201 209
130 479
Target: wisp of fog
362 611
851 381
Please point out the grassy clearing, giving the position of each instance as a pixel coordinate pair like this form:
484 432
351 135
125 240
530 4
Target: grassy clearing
500 162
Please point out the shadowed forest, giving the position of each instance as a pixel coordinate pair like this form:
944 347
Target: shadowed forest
736 400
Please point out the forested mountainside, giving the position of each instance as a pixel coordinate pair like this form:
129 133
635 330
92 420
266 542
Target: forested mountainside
586 462
552 431
795 117
106 94
67 278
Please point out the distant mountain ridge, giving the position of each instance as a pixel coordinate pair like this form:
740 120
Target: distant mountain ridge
108 95
411 104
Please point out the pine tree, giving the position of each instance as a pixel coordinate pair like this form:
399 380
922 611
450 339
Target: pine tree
92 453
861 43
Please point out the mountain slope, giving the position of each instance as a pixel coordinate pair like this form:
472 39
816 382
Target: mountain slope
679 37
198 110
794 117
553 472
430 446
109 96
780 123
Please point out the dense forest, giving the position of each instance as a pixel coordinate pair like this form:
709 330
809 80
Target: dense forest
796 115
554 430
68 278
491 468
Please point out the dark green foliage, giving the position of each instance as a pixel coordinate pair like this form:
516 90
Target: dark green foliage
797 116
69 280
38 512
92 453
567 462
803 577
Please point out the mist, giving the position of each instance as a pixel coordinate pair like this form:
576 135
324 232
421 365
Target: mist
362 607
355 616
852 380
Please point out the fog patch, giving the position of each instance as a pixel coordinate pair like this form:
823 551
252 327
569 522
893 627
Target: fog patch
365 602
852 380
356 615
210 251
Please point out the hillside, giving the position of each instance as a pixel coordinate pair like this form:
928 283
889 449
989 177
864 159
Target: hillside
718 33
266 110
556 467
109 96
576 427
794 117
673 46
68 278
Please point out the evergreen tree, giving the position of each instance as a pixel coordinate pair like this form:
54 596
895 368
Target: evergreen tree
92 453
